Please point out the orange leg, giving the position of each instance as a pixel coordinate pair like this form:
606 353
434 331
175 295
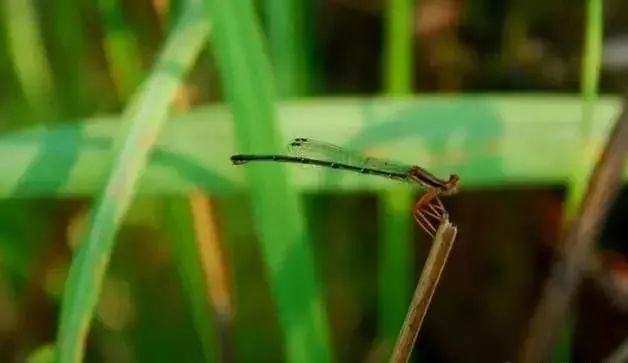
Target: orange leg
428 212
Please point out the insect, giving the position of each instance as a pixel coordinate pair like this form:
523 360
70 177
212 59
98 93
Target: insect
428 210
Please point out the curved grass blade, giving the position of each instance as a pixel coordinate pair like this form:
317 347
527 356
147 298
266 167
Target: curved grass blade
143 120
29 56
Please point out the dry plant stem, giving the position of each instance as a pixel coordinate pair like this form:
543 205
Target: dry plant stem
566 274
212 253
215 266
426 286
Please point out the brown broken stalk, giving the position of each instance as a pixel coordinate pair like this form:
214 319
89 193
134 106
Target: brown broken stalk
424 291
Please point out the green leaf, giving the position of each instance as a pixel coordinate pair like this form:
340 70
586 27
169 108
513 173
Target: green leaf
247 81
121 49
142 122
43 354
487 140
180 224
587 152
395 248
291 43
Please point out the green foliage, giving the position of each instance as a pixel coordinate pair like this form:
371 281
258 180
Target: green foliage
247 81
44 354
396 223
142 122
291 46
582 170
180 225
502 145
69 36
29 57
121 49
52 71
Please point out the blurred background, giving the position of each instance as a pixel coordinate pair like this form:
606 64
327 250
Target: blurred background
488 65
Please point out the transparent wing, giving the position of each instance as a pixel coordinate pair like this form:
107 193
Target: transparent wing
308 148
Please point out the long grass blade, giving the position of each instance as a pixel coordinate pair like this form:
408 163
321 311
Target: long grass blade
589 88
143 120
590 75
290 45
180 224
395 249
249 87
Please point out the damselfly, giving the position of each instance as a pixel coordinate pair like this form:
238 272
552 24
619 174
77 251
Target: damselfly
428 210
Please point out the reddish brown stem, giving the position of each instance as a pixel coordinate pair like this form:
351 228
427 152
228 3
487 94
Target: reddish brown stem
425 288
561 286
